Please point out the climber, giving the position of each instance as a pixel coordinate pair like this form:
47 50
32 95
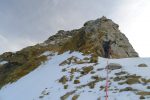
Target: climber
107 48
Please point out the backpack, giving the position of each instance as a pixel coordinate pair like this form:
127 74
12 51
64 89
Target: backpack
106 44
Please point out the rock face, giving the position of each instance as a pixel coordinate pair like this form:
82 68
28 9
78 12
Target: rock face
60 38
89 38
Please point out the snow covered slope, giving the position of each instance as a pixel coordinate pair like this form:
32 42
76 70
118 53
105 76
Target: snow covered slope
71 76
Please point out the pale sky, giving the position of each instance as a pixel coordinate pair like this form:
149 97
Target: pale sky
27 22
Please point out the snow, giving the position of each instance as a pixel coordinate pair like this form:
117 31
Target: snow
42 83
48 53
131 65
3 62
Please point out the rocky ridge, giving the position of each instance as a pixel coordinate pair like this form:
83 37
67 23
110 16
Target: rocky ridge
87 40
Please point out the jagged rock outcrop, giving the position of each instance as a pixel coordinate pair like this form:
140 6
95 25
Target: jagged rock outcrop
60 38
89 38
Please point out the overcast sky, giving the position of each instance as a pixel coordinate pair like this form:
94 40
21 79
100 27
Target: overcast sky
27 22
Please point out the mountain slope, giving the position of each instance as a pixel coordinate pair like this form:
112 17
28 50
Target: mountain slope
70 66
88 40
72 75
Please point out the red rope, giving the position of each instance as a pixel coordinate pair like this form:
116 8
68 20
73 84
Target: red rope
107 82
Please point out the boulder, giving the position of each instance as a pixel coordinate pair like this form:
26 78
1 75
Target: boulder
142 65
114 66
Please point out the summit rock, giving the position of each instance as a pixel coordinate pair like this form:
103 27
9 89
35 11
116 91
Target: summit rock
88 39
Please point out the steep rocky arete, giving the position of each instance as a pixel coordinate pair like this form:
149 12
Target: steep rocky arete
88 40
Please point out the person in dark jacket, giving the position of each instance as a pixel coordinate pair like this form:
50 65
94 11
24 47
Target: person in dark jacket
107 48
